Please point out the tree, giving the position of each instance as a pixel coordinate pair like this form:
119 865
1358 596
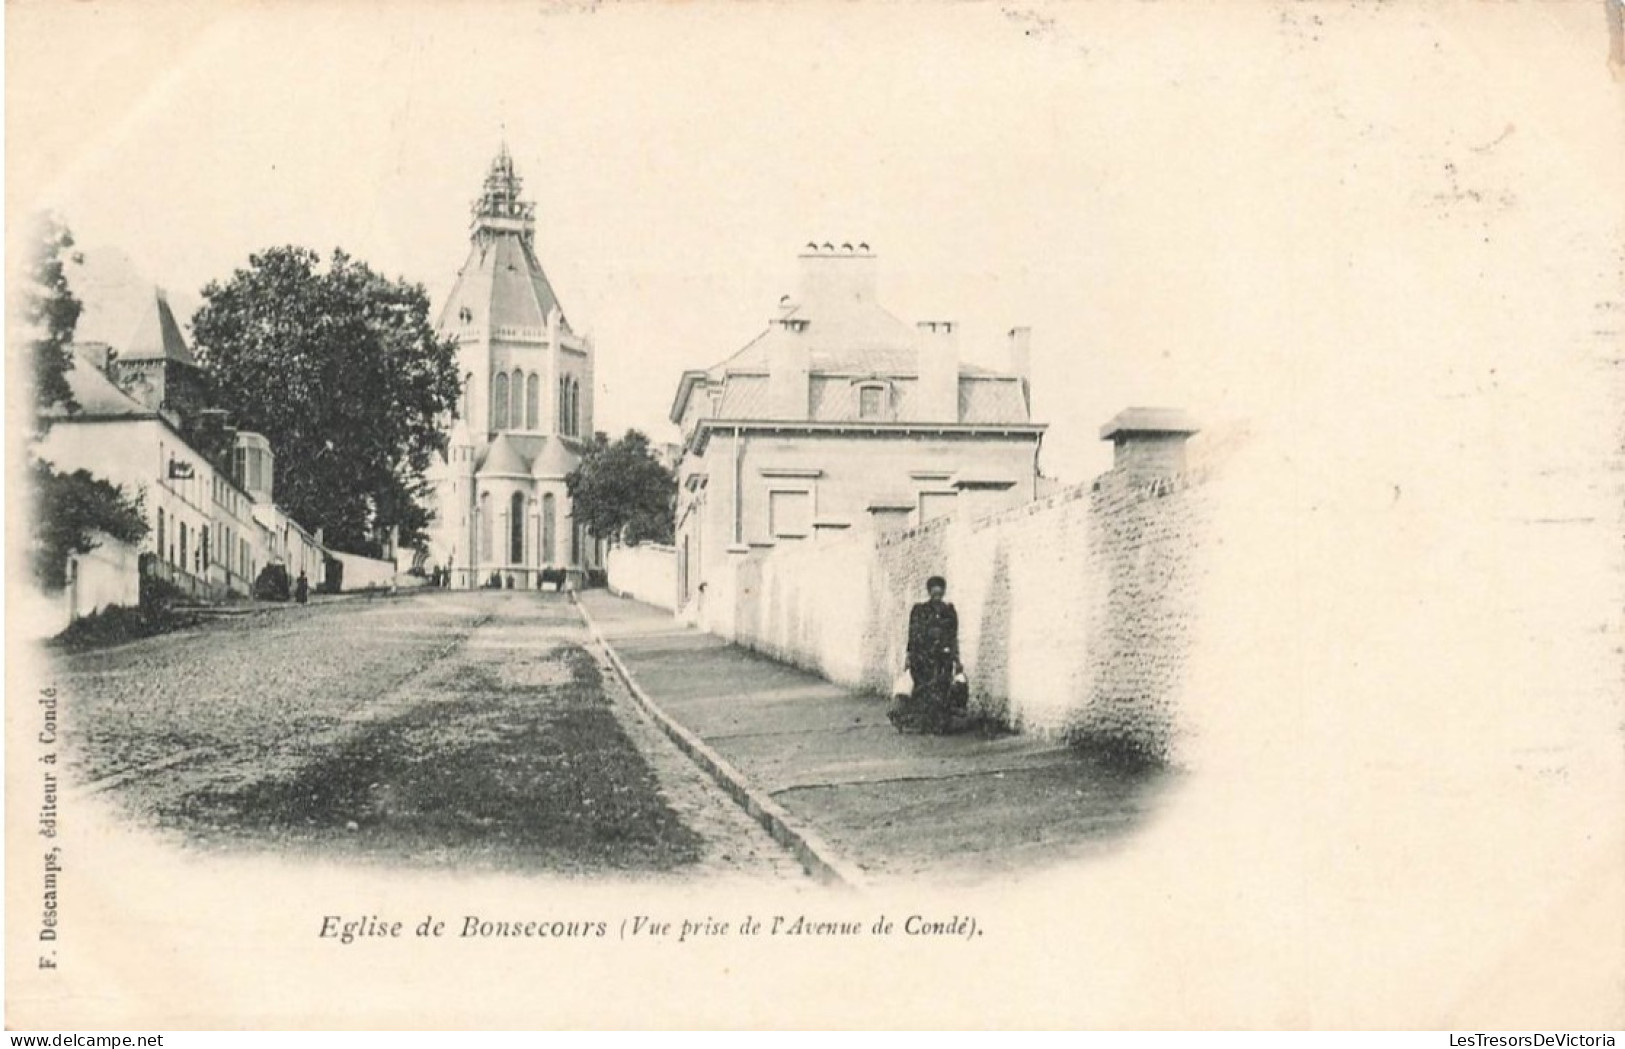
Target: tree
49 312
71 510
621 492
342 372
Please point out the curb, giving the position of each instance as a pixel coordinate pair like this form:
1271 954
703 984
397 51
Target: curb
815 854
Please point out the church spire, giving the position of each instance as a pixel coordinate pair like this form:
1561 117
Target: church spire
499 208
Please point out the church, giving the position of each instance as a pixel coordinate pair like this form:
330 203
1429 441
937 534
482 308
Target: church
502 515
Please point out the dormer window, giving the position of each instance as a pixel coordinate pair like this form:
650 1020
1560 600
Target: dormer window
873 401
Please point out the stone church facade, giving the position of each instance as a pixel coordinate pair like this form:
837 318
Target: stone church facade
502 514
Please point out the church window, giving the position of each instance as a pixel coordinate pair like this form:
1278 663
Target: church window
499 402
575 407
484 514
517 416
549 529
533 394
516 529
558 407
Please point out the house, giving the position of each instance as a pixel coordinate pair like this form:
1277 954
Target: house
841 416
212 526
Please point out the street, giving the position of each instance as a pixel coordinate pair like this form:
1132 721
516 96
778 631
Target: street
453 730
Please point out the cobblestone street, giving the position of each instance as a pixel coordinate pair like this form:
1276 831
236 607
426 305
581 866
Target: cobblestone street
450 730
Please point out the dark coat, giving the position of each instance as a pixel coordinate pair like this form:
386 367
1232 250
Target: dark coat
933 639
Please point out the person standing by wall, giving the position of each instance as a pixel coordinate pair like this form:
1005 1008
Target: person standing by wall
933 661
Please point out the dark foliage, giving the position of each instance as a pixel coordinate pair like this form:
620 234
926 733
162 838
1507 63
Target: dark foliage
49 311
273 584
622 493
341 370
73 511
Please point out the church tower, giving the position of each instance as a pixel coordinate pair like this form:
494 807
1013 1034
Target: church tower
502 510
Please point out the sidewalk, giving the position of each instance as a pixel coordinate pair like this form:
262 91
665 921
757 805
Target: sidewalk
824 770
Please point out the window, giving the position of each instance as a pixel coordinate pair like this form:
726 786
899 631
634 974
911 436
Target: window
533 394
871 402
484 513
468 395
549 529
789 514
516 529
935 504
161 548
499 402
516 418
183 561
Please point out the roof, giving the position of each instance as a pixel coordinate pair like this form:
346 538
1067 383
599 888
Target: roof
528 455
501 283
501 457
96 394
841 337
846 336
1148 420
158 336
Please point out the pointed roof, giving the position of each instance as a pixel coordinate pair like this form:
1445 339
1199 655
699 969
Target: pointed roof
158 336
501 284
554 461
503 458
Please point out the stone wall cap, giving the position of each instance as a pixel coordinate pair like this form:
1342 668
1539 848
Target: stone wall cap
1149 421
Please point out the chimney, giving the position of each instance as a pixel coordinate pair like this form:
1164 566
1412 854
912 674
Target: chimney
1148 443
938 394
836 275
788 363
1021 361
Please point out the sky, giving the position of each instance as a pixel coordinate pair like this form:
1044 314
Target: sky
1211 206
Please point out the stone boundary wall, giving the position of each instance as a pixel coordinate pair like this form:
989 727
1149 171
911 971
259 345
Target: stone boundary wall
647 572
360 572
1076 611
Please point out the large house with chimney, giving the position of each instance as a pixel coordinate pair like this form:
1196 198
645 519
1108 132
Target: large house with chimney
841 416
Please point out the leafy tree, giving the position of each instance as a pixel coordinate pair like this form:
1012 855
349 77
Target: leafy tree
342 371
621 492
71 510
49 311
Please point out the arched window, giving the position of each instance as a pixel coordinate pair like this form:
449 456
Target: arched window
516 418
549 529
499 402
574 407
484 523
558 407
516 529
533 394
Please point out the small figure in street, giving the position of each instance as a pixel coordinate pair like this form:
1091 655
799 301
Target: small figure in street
933 663
301 588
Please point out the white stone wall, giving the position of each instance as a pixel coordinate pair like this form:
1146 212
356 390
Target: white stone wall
107 576
360 573
647 572
1076 612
